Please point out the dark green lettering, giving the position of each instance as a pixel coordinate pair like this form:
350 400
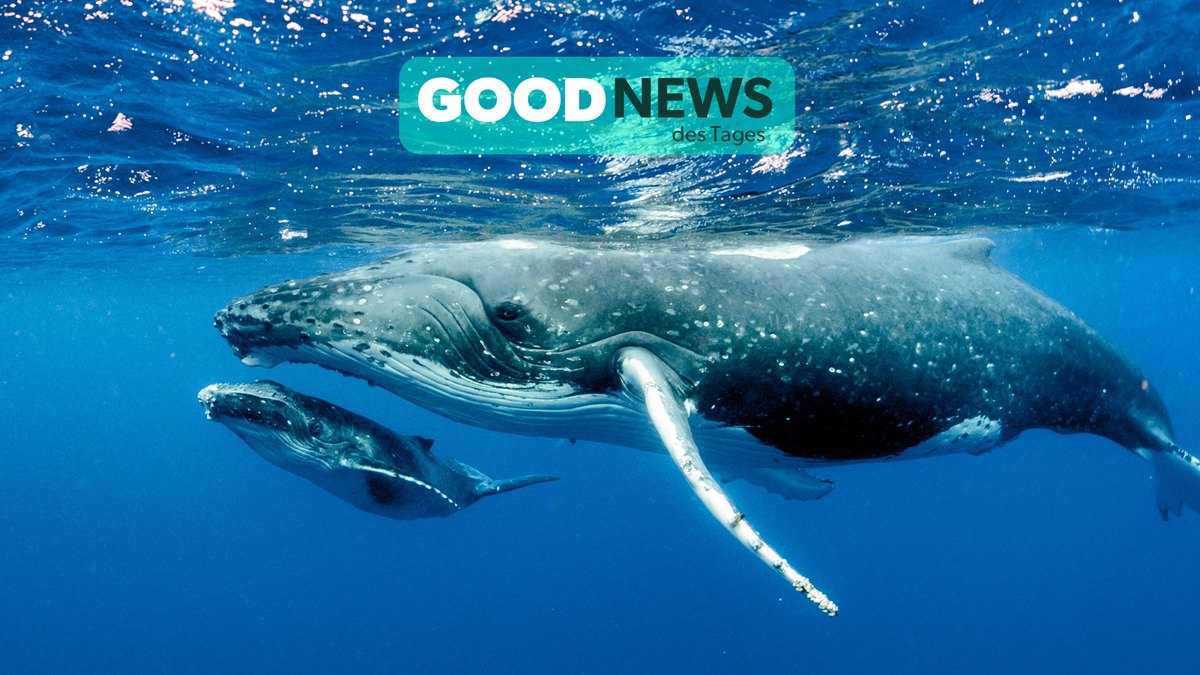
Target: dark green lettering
666 96
623 90
724 103
760 98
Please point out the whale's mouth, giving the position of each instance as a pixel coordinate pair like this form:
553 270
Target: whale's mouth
426 316
433 341
533 408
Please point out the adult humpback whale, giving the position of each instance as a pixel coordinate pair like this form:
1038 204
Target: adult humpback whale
757 362
366 464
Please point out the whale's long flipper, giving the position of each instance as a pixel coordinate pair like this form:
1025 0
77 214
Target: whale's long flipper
644 375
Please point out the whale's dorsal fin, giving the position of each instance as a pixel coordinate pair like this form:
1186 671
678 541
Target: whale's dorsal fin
971 249
975 249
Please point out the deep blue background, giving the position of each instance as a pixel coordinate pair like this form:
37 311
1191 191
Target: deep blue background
139 537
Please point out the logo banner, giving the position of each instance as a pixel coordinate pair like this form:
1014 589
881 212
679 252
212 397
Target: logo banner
597 105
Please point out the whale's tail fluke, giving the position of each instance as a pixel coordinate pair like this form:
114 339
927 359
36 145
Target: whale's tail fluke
1176 478
485 486
506 484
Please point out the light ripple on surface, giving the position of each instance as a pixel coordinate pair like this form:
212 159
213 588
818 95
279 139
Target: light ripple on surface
220 128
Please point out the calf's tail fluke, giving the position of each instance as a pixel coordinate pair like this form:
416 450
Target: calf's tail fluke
506 484
485 486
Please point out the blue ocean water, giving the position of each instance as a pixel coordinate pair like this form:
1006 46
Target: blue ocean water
155 164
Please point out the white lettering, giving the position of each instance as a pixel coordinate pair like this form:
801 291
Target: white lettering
452 104
450 101
528 112
575 85
503 99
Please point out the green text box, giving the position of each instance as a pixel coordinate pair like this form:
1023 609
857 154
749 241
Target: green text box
750 106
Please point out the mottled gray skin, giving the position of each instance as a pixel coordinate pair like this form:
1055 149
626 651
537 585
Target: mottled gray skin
845 353
366 464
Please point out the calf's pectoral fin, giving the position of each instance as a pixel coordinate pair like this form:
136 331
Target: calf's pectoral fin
382 494
1176 479
646 377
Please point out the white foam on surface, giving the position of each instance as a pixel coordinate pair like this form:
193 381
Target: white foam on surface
785 252
517 244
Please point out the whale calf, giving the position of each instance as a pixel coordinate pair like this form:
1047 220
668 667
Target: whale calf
758 362
364 463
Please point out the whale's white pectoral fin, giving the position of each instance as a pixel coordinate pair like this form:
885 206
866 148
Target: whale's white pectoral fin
1176 479
644 375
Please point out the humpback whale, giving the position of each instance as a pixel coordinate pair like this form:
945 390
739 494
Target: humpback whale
758 362
364 463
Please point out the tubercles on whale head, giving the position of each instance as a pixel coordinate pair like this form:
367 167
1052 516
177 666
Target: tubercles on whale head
385 320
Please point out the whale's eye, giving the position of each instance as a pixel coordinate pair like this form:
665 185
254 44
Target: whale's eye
509 311
316 428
